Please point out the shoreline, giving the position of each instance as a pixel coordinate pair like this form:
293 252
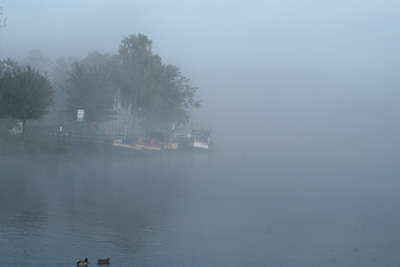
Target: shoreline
16 146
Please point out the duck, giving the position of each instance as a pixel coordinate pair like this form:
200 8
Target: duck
103 261
82 263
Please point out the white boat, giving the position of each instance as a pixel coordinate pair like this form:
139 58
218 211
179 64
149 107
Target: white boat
198 139
120 143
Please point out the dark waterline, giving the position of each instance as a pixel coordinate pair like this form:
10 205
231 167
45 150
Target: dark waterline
196 210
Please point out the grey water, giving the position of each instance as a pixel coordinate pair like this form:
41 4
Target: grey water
197 210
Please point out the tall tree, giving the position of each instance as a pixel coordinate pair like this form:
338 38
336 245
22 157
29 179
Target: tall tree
108 64
7 66
89 88
154 92
96 59
135 73
37 60
59 74
25 95
170 101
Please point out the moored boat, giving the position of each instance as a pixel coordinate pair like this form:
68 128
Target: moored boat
198 140
124 144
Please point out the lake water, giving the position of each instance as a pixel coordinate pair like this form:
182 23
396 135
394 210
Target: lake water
197 210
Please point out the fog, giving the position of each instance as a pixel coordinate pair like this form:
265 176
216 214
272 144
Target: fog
286 77
306 92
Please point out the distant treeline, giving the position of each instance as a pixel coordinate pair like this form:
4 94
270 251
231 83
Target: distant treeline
134 79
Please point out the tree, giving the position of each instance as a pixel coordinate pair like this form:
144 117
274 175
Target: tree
108 64
59 74
6 124
25 95
136 70
154 92
137 75
37 60
89 88
170 100
96 59
7 65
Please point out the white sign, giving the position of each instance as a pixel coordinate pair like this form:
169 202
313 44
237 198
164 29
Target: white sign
80 114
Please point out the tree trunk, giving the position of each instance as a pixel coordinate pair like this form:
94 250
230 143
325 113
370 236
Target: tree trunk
23 129
87 131
131 123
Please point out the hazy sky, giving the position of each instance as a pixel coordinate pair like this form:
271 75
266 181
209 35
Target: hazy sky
305 76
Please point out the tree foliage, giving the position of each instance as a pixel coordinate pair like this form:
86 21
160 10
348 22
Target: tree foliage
155 92
25 95
37 60
8 65
59 74
88 88
136 70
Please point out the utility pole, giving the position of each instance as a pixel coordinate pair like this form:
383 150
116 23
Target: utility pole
2 25
117 108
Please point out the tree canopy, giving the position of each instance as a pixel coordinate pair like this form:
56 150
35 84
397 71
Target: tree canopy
8 65
37 60
88 88
25 95
154 92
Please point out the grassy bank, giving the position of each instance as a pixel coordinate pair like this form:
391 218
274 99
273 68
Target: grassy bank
17 146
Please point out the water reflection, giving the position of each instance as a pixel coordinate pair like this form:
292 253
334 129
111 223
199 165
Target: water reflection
193 210
85 204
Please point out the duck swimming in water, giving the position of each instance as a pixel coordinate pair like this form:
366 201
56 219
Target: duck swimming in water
103 261
82 263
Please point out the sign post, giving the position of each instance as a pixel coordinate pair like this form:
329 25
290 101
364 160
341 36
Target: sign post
80 114
79 118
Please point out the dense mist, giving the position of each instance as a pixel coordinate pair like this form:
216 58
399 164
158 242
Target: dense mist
313 77
303 102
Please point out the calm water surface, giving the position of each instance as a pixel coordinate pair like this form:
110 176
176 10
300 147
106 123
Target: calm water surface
196 210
